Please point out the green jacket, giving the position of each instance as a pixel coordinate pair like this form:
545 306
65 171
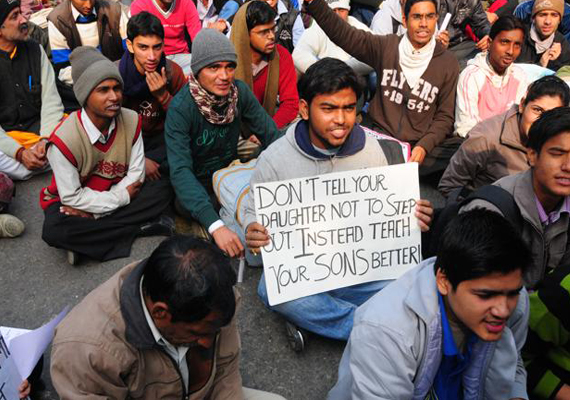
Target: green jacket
547 349
196 148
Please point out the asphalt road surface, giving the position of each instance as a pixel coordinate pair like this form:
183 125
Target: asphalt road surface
37 283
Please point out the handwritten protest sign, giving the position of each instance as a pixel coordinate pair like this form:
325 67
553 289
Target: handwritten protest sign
337 230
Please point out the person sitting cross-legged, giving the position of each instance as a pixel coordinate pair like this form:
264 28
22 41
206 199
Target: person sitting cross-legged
202 131
151 82
450 328
326 140
97 203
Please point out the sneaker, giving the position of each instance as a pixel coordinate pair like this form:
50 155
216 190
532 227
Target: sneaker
10 226
72 257
296 337
162 226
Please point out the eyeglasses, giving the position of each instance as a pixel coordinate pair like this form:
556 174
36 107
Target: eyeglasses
427 17
266 32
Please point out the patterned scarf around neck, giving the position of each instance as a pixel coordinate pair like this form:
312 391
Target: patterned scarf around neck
216 110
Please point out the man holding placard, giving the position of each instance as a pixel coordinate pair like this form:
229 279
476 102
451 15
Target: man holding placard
326 142
450 329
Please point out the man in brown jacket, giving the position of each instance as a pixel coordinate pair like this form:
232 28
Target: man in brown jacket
163 328
496 147
417 80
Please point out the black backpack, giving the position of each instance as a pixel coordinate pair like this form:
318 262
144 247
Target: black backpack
495 195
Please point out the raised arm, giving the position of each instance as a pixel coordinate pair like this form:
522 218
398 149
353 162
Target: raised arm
364 46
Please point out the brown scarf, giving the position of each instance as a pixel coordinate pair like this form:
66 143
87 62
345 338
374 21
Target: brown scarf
208 104
240 38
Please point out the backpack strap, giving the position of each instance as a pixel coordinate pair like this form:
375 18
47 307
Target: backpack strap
501 199
392 150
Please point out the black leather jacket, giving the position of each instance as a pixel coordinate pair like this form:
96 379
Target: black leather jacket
463 12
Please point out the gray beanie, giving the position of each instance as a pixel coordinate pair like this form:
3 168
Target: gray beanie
211 46
88 69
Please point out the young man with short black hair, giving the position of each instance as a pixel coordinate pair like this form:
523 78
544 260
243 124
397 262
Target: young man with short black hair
542 194
491 83
162 328
266 66
451 328
151 82
415 94
326 140
496 147
96 204
180 20
544 45
30 107
202 130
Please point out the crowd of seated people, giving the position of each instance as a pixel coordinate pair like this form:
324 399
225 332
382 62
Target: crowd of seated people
128 109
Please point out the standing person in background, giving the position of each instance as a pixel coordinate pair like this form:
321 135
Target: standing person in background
179 18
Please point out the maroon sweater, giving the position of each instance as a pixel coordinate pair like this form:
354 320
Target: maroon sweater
288 95
423 115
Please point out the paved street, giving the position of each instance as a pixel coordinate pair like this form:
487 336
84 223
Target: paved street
36 283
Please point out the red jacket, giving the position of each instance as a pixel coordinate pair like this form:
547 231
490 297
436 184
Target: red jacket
288 95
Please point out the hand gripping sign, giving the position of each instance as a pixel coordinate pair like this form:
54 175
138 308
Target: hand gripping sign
337 230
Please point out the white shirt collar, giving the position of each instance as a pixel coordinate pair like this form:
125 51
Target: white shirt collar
178 353
204 11
167 13
93 132
155 332
76 13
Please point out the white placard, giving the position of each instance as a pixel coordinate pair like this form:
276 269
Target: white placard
9 376
445 22
337 230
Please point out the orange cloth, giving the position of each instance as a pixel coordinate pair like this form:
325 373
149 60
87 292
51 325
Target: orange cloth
26 139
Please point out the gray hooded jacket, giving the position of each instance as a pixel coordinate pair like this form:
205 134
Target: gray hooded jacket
395 347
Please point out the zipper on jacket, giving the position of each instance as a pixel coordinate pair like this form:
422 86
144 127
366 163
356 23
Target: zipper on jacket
185 396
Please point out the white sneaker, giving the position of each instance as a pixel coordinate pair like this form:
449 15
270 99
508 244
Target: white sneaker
10 226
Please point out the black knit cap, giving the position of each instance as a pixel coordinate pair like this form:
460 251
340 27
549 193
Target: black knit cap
6 6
